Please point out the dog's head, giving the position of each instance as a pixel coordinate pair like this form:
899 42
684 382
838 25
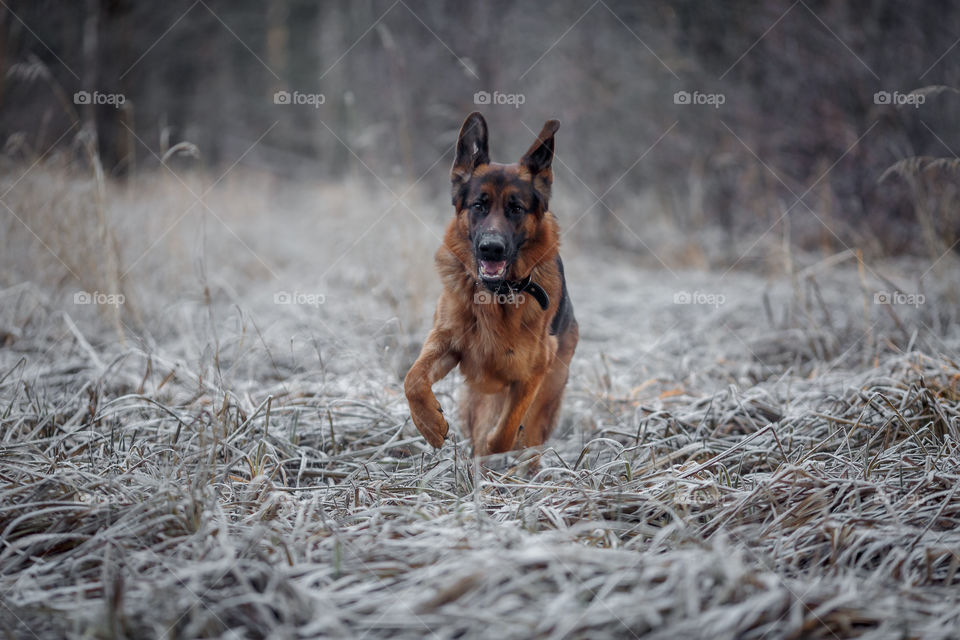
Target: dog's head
502 205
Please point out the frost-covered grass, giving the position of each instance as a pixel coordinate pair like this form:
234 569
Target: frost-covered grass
783 464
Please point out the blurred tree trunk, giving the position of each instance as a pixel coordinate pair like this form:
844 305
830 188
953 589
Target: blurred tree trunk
278 41
3 48
116 127
399 84
91 25
336 29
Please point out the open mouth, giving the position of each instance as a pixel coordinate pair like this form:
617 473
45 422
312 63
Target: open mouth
490 270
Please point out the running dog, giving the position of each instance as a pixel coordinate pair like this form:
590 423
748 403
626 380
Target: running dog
504 315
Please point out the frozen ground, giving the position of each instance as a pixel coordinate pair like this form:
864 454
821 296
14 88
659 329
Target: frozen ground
777 459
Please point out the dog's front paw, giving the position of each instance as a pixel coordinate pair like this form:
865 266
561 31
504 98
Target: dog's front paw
429 420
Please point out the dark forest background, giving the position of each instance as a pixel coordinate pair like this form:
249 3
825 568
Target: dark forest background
800 130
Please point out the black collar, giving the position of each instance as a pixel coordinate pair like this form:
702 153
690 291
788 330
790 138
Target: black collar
527 285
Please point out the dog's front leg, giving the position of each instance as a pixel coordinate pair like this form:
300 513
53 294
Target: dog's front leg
435 361
519 398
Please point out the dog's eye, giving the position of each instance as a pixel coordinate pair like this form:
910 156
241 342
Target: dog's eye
517 210
479 207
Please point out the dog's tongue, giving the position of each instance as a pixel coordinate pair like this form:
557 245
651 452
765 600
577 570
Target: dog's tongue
492 268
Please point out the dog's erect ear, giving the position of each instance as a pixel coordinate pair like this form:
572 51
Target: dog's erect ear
539 157
472 151
539 160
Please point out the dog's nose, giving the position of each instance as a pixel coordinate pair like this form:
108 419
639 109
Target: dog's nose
491 248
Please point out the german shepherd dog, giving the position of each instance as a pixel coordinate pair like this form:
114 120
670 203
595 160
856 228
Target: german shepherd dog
504 315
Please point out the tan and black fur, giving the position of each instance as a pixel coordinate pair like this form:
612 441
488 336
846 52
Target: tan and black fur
514 353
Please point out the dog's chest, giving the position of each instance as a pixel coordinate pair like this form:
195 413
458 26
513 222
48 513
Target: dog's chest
505 344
